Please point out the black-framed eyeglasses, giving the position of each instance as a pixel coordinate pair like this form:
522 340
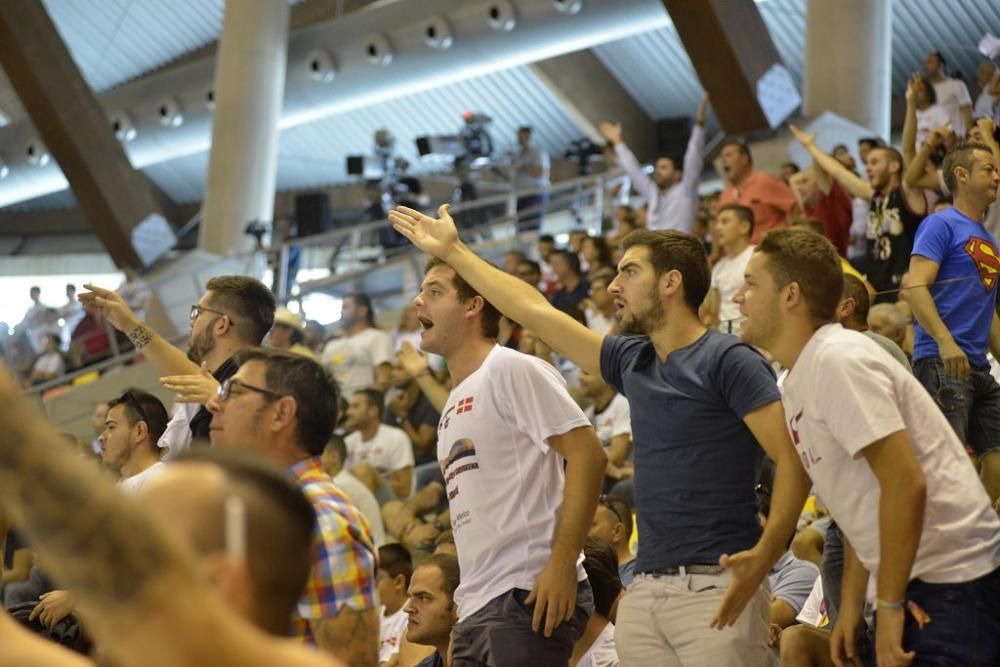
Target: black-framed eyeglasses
226 389
130 399
197 310
616 505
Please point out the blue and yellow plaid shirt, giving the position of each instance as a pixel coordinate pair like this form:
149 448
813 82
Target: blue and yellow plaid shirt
344 554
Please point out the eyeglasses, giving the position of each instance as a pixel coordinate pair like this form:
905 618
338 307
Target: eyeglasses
618 507
130 398
197 310
226 389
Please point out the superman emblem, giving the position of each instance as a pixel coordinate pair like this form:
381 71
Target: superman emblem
987 260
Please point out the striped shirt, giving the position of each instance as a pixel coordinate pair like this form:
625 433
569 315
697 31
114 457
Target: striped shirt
344 556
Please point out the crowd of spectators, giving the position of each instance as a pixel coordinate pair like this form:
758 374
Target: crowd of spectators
716 433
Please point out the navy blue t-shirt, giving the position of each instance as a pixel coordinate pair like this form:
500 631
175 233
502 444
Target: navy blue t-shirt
696 462
967 257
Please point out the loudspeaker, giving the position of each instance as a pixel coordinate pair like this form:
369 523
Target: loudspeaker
672 136
312 213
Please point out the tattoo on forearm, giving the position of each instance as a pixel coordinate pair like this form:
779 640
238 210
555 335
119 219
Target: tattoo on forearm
141 336
351 635
93 541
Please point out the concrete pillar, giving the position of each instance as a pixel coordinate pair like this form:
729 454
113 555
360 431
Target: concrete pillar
849 61
249 90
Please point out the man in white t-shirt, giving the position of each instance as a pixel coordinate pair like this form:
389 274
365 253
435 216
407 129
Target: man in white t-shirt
610 416
363 356
599 307
334 458
893 474
734 227
379 455
395 567
988 77
523 469
952 94
134 423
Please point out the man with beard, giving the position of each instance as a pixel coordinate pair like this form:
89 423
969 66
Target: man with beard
702 551
895 211
887 464
235 313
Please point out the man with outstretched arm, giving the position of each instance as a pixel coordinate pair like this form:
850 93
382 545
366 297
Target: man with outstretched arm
702 546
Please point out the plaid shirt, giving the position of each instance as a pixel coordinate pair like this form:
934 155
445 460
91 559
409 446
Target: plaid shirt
344 555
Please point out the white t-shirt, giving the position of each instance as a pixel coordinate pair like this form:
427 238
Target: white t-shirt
177 436
613 420
353 358
133 485
390 450
928 120
504 483
984 104
599 322
362 498
814 610
727 278
50 363
952 95
602 652
390 633
843 394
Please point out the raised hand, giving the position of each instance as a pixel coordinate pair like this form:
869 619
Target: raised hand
803 138
200 388
611 131
111 306
435 237
987 127
413 361
699 118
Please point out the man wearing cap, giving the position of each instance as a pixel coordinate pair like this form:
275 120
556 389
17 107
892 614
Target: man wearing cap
286 334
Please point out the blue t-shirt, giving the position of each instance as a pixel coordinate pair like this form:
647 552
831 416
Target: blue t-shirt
963 248
696 462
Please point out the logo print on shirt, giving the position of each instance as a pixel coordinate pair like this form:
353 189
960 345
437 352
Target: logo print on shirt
462 449
464 405
987 260
793 427
808 454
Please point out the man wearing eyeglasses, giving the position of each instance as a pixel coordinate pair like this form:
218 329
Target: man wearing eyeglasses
284 407
235 313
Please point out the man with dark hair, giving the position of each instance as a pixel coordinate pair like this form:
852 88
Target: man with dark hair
530 272
334 459
234 313
895 212
431 608
380 455
952 94
702 551
871 437
613 524
140 589
511 259
787 170
395 567
733 229
362 357
769 197
953 291
519 536
573 287
529 170
284 406
596 648
600 304
672 193
823 198
852 314
134 423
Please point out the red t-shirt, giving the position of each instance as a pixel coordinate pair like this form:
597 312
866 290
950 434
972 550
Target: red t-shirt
769 198
834 211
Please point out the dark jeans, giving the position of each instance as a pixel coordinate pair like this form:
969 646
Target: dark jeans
530 211
972 406
832 570
965 623
500 634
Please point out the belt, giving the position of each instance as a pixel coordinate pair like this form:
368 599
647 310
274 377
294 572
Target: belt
684 570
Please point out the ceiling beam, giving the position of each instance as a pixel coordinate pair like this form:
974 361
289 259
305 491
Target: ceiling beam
574 77
113 196
730 48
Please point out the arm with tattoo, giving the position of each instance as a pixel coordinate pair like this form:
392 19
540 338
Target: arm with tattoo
351 635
